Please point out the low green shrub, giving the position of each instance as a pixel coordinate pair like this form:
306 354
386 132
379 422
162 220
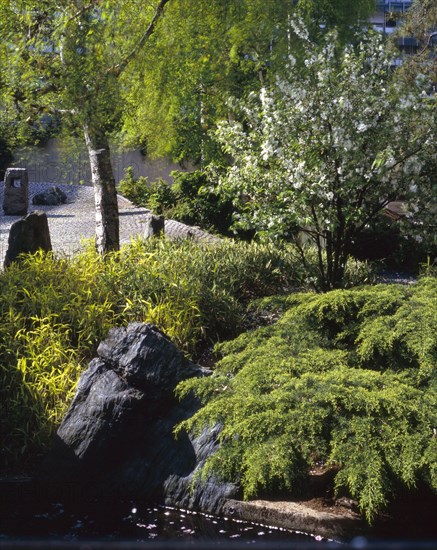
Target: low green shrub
6 155
394 243
36 389
161 197
187 200
196 204
158 196
347 379
53 313
134 189
213 282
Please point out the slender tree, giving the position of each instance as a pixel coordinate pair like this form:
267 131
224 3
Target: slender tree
68 57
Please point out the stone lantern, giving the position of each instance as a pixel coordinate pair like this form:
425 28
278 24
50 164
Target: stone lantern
16 192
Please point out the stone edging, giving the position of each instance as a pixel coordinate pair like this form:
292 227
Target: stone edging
296 517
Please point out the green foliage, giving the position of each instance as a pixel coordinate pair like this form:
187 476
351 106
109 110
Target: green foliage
188 200
419 21
6 157
347 379
212 282
71 59
70 63
161 196
394 244
157 195
134 189
205 51
54 312
196 204
8 133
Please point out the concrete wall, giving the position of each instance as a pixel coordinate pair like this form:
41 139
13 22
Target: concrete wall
58 164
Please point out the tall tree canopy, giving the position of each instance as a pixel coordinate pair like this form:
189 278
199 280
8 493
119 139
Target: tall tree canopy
205 51
421 23
68 57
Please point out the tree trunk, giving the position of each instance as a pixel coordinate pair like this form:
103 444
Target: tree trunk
105 194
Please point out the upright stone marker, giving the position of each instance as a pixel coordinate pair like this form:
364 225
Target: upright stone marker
28 235
154 226
16 192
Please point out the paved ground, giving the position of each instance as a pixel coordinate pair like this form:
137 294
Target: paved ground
73 221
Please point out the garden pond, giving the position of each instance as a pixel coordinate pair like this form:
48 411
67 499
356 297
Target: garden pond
130 521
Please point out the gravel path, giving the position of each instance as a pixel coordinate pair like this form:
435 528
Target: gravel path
73 221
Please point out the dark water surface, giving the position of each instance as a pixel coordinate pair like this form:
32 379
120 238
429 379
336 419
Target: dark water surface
130 521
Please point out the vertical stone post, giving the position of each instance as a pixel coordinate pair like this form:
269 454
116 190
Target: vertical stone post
28 235
16 192
154 226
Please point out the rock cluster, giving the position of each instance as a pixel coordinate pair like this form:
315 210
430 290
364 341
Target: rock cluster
117 437
51 197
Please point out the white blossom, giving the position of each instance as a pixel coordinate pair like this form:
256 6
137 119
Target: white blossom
288 123
299 28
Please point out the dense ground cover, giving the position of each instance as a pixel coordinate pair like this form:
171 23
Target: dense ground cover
345 379
54 312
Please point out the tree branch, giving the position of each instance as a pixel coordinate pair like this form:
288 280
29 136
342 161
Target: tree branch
120 67
427 43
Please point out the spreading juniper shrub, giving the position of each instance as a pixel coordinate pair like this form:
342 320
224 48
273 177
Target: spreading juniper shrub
347 379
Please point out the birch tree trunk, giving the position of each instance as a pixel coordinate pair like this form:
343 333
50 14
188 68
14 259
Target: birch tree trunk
105 194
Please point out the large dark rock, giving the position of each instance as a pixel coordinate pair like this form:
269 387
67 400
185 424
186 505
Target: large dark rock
27 236
117 437
51 197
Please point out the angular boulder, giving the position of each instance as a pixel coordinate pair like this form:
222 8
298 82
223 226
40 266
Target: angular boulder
153 226
16 192
117 437
28 235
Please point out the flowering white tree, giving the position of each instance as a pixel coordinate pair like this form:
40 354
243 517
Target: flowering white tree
327 148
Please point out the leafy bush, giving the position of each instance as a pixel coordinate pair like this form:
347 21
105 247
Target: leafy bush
304 149
197 205
213 282
394 243
6 156
53 314
347 379
187 200
157 195
161 197
134 189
